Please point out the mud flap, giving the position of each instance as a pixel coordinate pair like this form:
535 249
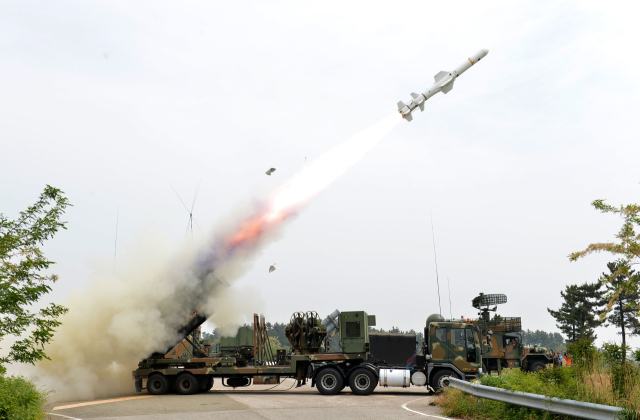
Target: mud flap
138 384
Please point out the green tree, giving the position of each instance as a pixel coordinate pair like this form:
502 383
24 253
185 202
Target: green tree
626 299
22 281
576 318
627 246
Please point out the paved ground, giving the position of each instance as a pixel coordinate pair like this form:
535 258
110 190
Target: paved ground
255 402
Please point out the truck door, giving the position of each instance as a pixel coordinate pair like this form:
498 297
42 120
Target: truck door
463 344
471 346
440 349
458 343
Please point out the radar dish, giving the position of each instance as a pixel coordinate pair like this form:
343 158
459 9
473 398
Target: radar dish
487 300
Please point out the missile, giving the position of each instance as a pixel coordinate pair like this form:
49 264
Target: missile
444 84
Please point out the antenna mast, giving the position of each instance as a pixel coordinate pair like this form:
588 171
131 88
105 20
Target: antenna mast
191 220
435 257
115 245
449 286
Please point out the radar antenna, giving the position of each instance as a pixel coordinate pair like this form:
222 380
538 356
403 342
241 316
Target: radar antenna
483 302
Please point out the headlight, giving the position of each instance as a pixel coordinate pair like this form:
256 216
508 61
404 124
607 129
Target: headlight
479 370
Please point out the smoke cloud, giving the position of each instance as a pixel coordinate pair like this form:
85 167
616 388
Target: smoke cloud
119 320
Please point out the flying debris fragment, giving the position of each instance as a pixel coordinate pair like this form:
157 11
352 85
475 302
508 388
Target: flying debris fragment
444 83
272 268
270 171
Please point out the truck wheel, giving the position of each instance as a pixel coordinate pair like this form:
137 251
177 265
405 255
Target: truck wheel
329 381
206 383
187 384
362 381
441 379
157 384
537 366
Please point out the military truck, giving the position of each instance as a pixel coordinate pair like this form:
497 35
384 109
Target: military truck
452 349
505 347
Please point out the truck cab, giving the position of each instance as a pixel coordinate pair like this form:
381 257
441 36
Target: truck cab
452 349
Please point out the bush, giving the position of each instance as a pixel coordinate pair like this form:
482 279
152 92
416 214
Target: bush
20 399
623 376
590 381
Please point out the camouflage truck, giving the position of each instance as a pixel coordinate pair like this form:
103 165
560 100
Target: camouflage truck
504 346
453 349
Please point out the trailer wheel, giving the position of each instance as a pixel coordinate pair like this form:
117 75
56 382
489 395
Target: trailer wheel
441 379
157 384
537 366
362 382
329 381
187 384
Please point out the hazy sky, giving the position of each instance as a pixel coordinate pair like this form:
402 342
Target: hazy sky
114 101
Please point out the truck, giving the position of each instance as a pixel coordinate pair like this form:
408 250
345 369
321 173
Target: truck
451 349
504 347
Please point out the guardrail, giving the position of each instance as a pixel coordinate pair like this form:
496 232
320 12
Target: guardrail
578 409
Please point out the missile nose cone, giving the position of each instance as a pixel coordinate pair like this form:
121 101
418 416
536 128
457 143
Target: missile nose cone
484 51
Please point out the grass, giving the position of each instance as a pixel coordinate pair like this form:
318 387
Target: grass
20 399
591 385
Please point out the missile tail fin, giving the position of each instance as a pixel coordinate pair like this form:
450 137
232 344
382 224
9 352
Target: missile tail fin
414 95
401 105
407 117
440 75
421 106
447 88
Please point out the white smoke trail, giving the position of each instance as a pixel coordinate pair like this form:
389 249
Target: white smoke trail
119 320
322 172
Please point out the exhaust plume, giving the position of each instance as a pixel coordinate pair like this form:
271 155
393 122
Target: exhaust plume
119 320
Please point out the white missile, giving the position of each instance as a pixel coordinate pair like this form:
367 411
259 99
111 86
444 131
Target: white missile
444 83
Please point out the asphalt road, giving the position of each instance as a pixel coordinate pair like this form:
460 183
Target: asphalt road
255 402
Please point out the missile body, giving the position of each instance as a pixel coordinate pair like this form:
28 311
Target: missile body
444 83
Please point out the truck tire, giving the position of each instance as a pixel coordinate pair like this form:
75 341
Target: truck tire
206 383
158 384
440 380
329 381
187 384
537 366
362 381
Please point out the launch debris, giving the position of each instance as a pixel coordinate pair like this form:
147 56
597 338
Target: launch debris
270 171
272 268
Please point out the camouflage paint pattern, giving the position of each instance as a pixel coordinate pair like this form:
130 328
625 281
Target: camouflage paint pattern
511 354
448 352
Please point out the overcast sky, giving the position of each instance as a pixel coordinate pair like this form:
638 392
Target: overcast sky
114 101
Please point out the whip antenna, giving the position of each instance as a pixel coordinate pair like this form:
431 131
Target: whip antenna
449 286
115 245
435 257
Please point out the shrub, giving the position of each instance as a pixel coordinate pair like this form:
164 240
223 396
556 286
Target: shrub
20 399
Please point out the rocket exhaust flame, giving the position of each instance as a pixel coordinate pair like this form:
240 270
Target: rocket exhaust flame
312 180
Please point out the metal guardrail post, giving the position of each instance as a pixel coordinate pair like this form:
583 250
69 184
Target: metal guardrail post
578 409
